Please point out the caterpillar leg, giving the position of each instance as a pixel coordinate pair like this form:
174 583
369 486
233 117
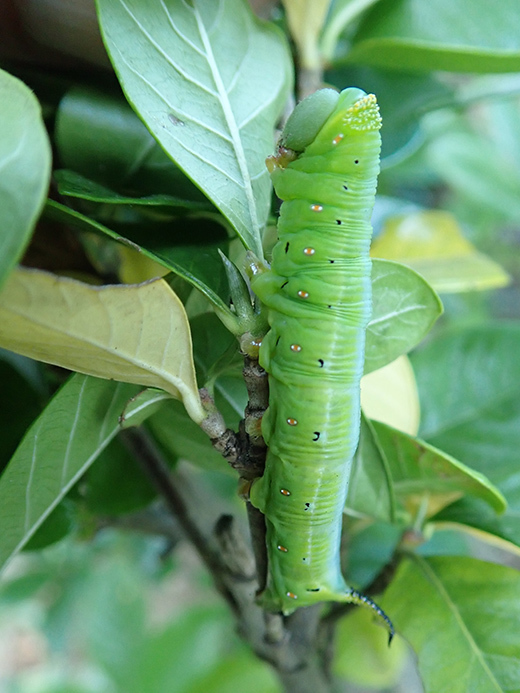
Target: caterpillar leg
355 597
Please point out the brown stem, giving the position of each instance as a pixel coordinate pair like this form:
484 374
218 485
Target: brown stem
309 81
288 644
257 531
258 399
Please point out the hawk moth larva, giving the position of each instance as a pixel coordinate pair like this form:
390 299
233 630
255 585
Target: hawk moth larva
318 293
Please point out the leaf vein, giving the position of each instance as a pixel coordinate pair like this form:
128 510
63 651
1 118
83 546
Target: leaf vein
27 520
168 58
70 441
182 36
476 652
232 126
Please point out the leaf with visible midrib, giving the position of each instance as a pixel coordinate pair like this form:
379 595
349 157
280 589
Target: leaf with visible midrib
135 333
427 479
25 166
461 617
75 427
404 308
209 80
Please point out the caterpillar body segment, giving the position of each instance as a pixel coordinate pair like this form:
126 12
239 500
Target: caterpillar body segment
318 293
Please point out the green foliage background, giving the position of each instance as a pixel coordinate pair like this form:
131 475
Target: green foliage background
105 609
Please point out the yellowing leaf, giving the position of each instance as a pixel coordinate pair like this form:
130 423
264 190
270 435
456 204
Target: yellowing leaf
135 267
427 479
432 243
306 19
130 333
362 655
390 395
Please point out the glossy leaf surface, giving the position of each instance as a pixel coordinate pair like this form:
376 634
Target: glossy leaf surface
210 108
68 436
133 333
25 163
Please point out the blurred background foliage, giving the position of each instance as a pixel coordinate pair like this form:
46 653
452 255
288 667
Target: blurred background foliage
103 609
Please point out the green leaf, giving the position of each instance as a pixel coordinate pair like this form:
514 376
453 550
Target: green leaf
142 406
115 483
19 588
426 479
214 348
404 307
200 265
469 386
370 491
54 528
495 548
479 369
470 513
72 184
135 333
432 243
461 617
469 36
215 353
19 405
99 136
343 14
231 397
370 548
68 436
107 617
220 365
212 109
25 164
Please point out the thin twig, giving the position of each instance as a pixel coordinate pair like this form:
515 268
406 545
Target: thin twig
147 454
288 644
154 520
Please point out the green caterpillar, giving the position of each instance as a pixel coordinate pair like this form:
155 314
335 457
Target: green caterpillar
318 292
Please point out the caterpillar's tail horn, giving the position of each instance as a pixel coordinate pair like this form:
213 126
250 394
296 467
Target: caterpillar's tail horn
356 597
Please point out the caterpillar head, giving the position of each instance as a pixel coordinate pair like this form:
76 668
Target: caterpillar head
308 118
362 111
